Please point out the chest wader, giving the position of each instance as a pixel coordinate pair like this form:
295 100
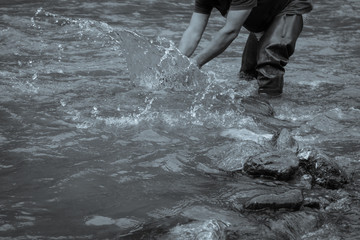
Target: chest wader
266 58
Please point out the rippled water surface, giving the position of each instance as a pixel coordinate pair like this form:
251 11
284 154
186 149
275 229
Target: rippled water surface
93 148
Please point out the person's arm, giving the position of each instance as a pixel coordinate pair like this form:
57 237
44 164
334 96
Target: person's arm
222 39
193 33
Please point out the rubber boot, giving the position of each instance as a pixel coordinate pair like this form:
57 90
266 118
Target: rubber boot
275 48
249 62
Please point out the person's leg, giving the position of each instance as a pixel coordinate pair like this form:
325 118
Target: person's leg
275 48
248 63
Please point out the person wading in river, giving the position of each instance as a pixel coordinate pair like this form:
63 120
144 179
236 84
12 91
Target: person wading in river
274 27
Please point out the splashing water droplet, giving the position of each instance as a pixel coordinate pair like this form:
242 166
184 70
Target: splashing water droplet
35 77
159 64
95 111
62 102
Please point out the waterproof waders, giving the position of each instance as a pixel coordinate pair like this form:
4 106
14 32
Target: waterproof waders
266 58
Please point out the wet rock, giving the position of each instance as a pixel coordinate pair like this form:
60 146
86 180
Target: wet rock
288 225
293 225
292 199
328 200
285 141
325 124
214 223
249 231
316 202
305 181
211 229
278 165
231 157
236 224
203 213
256 106
325 172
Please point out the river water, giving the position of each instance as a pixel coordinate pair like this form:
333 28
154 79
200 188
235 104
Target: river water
93 148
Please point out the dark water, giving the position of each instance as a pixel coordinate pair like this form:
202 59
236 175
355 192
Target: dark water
92 148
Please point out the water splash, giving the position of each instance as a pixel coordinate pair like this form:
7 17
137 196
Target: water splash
153 64
159 64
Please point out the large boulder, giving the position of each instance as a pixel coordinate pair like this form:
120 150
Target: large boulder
231 157
325 172
278 165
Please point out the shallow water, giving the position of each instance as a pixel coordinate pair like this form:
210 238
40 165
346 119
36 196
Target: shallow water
91 151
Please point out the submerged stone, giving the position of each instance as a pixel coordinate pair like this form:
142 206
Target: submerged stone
203 213
325 124
285 225
292 199
210 229
285 141
216 223
278 165
316 202
293 225
231 157
305 181
325 172
254 105
249 230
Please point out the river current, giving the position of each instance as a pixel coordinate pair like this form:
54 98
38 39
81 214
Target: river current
100 141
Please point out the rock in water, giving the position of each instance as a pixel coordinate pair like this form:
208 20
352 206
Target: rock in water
211 229
159 64
285 141
254 105
284 225
324 171
293 225
278 165
292 199
231 157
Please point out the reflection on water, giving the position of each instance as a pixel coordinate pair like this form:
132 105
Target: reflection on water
94 146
